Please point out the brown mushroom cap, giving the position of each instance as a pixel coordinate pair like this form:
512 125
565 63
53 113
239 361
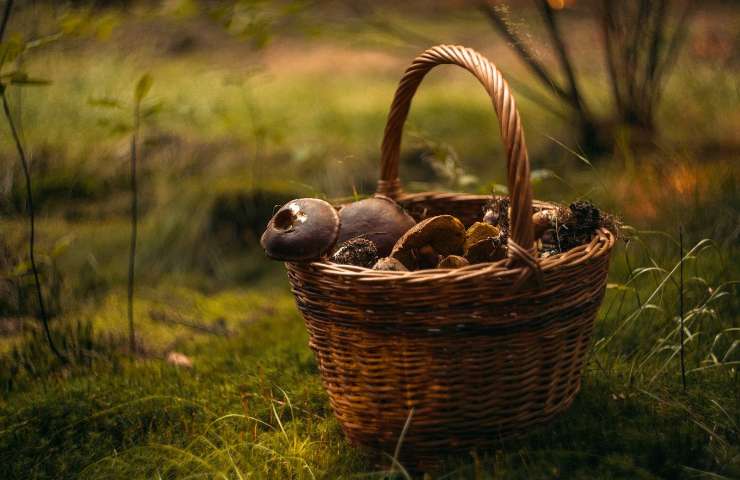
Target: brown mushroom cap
390 264
543 221
483 243
480 231
444 233
303 229
453 261
490 249
378 219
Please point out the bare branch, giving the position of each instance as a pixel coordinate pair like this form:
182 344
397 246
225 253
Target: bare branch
657 34
634 48
539 70
671 52
366 11
562 52
541 99
608 28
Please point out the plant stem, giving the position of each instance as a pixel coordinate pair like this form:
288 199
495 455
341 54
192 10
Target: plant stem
134 225
680 306
608 28
557 39
32 226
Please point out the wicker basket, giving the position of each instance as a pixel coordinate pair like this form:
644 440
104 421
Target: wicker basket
478 353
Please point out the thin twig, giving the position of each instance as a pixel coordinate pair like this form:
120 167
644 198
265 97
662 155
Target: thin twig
634 48
608 29
539 70
671 52
29 198
656 48
366 12
681 313
162 316
134 226
557 39
32 226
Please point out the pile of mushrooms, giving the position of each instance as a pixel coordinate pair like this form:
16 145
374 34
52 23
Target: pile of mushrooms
377 233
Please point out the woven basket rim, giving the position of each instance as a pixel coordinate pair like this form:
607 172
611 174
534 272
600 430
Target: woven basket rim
601 243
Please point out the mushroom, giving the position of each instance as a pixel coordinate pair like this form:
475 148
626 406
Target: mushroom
569 227
303 229
390 264
587 216
378 219
453 261
357 251
490 249
480 231
427 257
543 221
421 246
484 243
577 224
498 212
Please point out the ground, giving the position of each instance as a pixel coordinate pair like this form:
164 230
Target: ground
230 131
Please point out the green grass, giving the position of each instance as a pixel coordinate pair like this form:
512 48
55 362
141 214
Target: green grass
253 405
237 132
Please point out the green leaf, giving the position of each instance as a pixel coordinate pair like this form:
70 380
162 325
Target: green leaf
114 127
10 49
142 87
105 26
104 102
73 23
22 268
61 245
120 128
22 78
152 110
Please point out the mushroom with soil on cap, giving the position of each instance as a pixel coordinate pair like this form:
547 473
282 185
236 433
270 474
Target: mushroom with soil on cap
359 251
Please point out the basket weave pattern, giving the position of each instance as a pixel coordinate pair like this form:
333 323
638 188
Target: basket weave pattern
479 353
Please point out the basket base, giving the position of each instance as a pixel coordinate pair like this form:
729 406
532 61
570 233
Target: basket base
455 444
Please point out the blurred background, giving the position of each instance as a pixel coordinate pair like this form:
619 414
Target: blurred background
246 104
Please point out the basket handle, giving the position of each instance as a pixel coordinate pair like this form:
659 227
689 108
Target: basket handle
517 161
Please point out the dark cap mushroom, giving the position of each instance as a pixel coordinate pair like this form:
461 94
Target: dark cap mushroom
303 229
378 219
